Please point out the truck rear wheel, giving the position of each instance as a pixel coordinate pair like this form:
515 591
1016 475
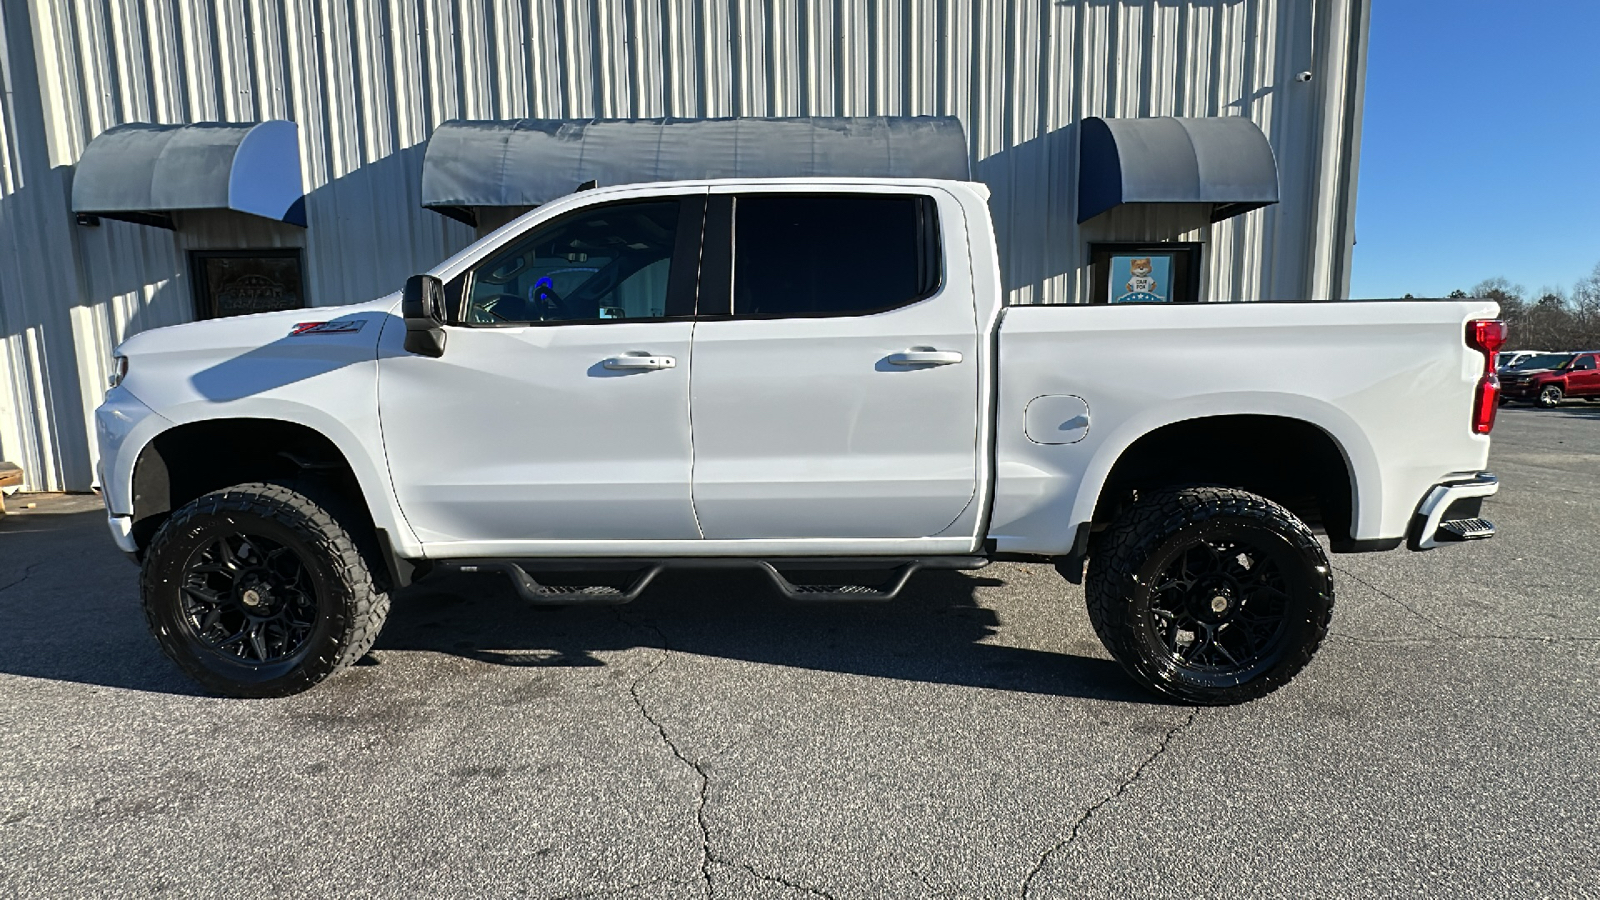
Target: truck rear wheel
1208 595
257 591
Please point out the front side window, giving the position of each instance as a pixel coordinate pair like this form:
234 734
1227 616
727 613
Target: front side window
605 262
832 255
1584 364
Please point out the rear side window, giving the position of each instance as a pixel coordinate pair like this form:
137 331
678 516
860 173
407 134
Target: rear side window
832 255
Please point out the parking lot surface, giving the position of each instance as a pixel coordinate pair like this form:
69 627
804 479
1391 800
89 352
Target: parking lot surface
970 739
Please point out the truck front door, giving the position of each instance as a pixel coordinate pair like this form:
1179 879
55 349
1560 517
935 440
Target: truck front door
560 408
1583 378
836 373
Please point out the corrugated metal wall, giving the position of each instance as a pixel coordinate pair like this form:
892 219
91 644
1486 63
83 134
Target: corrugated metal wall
367 80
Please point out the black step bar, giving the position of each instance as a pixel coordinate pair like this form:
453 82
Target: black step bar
607 582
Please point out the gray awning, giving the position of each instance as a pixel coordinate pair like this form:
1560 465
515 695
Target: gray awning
526 162
141 172
1225 162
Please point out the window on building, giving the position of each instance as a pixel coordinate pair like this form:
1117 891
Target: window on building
832 255
600 263
240 282
1145 273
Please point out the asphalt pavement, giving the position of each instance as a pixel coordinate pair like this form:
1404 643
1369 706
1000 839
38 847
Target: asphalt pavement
971 739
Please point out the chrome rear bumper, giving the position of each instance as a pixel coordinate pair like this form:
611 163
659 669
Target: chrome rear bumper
1450 513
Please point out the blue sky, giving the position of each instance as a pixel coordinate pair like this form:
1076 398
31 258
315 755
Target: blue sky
1481 146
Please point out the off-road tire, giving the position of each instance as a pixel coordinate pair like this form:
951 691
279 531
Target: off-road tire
1152 535
350 607
1550 396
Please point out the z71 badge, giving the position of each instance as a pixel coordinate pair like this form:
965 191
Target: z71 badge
343 326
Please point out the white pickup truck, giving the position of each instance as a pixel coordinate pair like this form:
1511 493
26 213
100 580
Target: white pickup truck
814 377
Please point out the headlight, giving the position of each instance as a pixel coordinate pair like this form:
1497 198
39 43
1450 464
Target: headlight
119 370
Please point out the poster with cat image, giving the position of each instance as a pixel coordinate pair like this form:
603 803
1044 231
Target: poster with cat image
1141 279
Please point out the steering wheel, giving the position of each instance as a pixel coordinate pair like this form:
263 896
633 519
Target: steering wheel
546 302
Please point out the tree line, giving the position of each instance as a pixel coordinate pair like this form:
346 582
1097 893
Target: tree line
1554 320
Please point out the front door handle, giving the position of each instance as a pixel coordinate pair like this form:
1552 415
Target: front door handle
633 361
924 356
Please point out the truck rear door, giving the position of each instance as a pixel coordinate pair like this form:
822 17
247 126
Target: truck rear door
835 388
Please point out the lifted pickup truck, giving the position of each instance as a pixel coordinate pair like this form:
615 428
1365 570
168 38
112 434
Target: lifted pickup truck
814 377
1549 378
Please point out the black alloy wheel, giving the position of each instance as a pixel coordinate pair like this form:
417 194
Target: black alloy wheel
249 596
257 590
1220 606
1210 595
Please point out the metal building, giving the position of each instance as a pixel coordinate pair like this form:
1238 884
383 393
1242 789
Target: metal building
367 82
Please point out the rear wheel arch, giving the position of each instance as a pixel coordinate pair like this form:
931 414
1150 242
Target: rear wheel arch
1292 461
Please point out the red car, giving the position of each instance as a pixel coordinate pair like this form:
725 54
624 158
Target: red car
1550 378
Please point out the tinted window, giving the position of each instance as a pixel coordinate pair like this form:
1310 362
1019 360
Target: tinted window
607 262
1584 364
1543 361
832 255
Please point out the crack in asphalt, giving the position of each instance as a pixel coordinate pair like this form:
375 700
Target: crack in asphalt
706 859
778 879
1581 639
932 888
26 574
1397 601
1122 788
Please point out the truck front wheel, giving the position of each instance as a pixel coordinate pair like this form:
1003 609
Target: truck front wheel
257 591
1209 595
1550 396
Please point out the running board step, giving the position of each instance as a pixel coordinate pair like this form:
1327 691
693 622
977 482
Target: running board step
1465 530
798 578
836 586
534 591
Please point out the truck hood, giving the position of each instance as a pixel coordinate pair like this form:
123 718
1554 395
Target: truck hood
183 371
358 322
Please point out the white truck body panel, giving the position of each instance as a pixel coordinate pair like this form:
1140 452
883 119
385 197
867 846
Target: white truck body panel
807 428
248 367
1390 382
521 434
783 437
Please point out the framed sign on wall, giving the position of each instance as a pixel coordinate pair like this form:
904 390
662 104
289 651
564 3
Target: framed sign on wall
240 282
1145 273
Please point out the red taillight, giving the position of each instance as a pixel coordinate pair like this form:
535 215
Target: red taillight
1485 403
1486 336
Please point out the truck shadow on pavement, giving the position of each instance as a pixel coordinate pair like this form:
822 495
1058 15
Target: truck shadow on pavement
69 612
932 633
69 606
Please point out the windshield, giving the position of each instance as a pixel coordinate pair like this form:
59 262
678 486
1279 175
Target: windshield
1544 361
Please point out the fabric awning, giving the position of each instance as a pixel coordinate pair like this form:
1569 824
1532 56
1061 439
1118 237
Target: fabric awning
526 162
1225 162
141 172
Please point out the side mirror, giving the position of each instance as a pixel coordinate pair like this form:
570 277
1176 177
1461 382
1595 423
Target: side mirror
422 305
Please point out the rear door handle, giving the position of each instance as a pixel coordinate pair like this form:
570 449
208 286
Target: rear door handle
636 360
924 356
